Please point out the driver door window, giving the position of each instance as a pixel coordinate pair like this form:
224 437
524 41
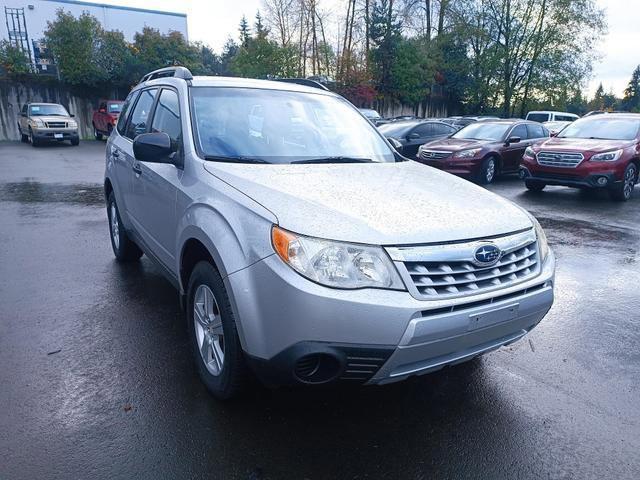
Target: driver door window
167 118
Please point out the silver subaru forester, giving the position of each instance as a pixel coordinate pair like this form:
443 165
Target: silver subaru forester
304 248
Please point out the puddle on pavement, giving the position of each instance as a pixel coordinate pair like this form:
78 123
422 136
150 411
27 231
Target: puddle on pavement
571 232
36 192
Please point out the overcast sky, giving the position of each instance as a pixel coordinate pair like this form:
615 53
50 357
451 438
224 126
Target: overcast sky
213 21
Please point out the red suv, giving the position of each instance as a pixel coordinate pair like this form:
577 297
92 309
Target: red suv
601 151
484 149
105 118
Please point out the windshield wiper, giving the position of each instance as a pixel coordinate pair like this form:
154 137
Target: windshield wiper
220 158
335 160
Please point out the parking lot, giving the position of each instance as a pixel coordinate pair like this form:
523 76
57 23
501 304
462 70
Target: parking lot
97 380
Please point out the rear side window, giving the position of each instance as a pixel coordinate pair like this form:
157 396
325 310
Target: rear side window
424 130
537 131
122 120
140 114
564 118
440 129
520 131
167 117
538 117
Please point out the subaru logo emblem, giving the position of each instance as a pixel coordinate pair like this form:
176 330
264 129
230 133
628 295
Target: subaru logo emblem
486 255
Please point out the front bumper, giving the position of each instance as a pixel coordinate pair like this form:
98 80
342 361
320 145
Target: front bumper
586 175
373 336
463 167
55 133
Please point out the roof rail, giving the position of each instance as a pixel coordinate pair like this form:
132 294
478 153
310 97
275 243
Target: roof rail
175 72
303 81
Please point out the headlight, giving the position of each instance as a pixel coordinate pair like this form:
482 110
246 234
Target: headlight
72 124
607 156
336 264
543 244
467 153
38 122
529 152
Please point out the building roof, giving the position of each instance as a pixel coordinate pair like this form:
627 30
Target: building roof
118 7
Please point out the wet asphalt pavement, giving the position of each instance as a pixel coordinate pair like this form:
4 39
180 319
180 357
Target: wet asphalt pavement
96 380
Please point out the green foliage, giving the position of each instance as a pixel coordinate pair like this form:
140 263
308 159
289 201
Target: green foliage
75 45
12 59
260 57
154 50
631 100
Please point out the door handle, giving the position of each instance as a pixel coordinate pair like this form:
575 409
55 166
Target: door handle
115 152
136 169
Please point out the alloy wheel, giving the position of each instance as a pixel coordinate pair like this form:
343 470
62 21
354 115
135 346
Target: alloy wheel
208 329
629 181
115 226
491 170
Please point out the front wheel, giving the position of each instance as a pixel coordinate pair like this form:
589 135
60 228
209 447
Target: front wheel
32 139
534 185
624 190
23 137
75 141
488 171
124 249
214 336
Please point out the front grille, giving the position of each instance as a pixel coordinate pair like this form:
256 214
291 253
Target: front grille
560 159
433 154
56 124
440 271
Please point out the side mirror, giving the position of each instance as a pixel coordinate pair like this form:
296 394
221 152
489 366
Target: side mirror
553 134
153 147
72 115
511 140
396 144
413 136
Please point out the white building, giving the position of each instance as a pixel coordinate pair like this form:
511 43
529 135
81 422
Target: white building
26 20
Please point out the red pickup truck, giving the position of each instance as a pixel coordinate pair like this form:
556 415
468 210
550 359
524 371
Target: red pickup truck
105 118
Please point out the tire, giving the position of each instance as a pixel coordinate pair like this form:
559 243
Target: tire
23 138
124 249
96 133
75 141
624 191
214 335
534 185
33 140
488 171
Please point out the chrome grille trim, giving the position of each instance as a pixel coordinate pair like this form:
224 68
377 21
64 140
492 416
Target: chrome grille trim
559 159
434 154
56 124
435 272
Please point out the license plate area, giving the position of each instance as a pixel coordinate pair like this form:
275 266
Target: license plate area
493 317
58 135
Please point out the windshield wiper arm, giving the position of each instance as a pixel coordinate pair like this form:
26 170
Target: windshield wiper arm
221 158
335 160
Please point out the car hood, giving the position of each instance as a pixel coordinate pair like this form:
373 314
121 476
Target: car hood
382 204
456 144
582 145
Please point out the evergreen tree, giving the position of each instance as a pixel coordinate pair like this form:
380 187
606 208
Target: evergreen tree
245 31
631 99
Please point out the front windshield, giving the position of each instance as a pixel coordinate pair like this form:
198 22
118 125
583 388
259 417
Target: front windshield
604 128
483 131
278 126
51 110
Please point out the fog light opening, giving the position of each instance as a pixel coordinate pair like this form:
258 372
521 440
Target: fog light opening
602 181
317 368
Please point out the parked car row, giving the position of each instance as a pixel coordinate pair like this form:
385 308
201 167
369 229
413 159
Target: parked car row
601 151
41 122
